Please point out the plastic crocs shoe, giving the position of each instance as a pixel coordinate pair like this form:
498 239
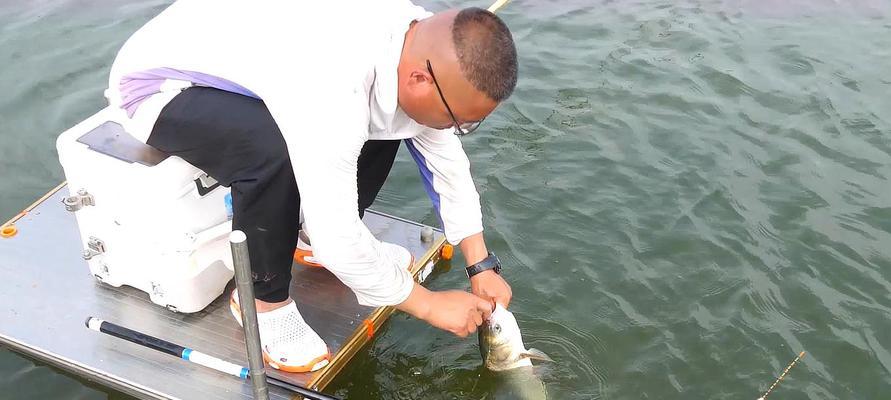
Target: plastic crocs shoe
303 252
288 343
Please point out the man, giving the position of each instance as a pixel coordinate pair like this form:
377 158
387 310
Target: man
300 107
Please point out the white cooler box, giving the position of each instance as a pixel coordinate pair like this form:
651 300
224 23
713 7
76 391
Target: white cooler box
147 220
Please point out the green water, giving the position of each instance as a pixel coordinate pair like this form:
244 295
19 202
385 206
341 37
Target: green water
685 195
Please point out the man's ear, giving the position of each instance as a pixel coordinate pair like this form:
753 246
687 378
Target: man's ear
419 77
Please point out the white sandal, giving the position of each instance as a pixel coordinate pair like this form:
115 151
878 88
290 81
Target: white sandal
289 343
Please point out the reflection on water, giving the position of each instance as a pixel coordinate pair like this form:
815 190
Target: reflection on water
685 194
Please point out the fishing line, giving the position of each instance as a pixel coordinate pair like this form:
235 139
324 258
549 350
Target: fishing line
783 375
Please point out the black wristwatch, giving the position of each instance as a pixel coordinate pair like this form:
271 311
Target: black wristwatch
490 262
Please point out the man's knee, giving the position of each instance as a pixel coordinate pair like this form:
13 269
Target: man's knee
275 155
267 151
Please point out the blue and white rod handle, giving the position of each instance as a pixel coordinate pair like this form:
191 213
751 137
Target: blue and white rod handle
164 346
193 356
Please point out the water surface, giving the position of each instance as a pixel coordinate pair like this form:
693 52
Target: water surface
685 195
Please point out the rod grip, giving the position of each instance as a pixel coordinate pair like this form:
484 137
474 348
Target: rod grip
139 338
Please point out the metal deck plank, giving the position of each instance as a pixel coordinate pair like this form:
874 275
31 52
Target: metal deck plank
47 293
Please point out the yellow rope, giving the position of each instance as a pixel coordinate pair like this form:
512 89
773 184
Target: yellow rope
783 375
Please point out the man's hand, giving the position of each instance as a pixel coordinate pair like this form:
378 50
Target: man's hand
486 284
453 310
491 286
458 312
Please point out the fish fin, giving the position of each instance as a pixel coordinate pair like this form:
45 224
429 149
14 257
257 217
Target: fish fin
536 354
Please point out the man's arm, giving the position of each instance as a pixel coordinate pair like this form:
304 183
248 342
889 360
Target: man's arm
487 284
445 170
455 311
324 143
474 248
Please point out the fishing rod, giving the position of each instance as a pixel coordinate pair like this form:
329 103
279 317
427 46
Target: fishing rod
496 5
783 375
193 356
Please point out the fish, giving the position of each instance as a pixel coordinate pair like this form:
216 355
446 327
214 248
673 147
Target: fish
508 359
501 343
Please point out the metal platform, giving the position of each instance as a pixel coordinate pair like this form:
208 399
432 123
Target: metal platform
47 292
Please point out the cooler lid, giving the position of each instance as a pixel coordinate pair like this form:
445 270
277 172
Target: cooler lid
111 139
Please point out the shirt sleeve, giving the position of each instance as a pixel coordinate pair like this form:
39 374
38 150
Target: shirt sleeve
445 170
324 140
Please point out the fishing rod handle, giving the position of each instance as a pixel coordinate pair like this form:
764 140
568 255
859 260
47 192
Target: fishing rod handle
212 362
178 351
166 347
130 335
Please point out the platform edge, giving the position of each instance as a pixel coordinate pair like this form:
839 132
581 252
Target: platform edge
359 338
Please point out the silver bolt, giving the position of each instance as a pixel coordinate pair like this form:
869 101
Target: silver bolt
426 234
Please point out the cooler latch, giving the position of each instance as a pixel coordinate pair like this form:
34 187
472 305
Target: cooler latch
205 184
95 247
78 201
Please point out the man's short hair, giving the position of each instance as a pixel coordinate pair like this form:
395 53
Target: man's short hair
486 52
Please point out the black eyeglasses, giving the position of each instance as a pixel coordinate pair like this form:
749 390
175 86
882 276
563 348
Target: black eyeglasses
460 129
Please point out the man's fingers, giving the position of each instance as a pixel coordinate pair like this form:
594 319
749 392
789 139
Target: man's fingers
504 301
471 327
477 318
485 308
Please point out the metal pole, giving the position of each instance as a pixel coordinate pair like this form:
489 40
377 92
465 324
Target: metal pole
245 285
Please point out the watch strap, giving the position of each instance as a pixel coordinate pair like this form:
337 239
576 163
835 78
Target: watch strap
490 262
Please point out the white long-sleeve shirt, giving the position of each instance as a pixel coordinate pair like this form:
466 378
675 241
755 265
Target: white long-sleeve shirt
327 73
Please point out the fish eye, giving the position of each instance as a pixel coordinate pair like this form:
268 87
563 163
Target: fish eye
496 328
